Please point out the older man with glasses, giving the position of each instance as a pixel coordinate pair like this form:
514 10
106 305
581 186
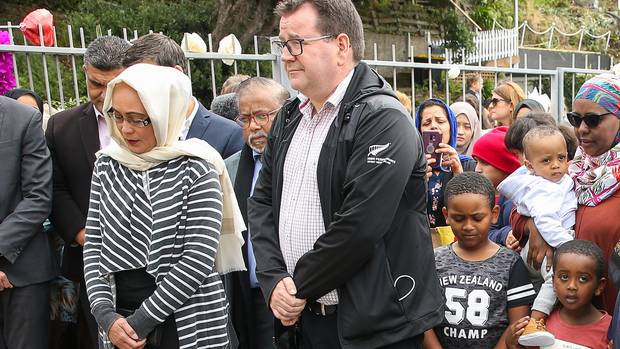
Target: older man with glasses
258 101
338 217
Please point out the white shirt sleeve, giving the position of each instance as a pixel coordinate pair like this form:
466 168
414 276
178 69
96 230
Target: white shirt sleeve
545 203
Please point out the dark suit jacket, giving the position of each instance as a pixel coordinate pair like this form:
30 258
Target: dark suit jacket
25 196
241 170
73 139
222 134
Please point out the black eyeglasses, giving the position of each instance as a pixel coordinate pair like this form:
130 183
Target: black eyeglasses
591 119
295 46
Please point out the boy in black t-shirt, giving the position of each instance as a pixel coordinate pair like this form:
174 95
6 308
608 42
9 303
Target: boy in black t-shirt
486 285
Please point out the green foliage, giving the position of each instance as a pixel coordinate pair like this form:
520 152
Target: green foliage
484 12
487 88
457 36
172 18
553 3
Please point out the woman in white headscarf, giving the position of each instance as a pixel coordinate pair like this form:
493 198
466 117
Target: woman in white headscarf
153 243
468 127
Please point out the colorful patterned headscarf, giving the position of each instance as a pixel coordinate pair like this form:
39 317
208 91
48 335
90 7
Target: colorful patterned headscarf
603 90
598 177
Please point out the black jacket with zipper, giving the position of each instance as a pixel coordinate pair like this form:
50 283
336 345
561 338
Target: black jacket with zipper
376 250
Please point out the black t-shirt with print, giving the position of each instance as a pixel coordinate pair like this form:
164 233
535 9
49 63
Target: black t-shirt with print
478 295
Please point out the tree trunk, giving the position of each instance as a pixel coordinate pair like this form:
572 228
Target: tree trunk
245 18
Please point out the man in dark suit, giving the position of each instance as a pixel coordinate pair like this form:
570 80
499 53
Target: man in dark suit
26 259
259 100
222 134
73 137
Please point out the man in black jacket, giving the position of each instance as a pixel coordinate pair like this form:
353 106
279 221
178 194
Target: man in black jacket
338 215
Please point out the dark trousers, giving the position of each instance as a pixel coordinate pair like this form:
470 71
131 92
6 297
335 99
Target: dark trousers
321 332
25 317
87 333
263 319
170 336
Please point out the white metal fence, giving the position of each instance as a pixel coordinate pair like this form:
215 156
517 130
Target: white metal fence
488 46
418 80
554 32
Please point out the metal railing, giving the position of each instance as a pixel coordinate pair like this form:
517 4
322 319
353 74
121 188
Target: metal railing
488 45
60 66
420 80
553 30
571 73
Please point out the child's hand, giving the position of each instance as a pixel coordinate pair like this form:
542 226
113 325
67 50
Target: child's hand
515 330
512 243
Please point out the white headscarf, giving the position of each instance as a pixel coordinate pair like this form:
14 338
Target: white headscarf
165 93
465 108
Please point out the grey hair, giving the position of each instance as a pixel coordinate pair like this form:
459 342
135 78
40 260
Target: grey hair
335 17
279 92
155 48
232 83
106 53
225 105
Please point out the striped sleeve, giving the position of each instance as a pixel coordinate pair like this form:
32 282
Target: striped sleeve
98 290
520 289
201 236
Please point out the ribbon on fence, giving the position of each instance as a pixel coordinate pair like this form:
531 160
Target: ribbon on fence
7 77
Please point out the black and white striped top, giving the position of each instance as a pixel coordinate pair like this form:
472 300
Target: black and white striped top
167 219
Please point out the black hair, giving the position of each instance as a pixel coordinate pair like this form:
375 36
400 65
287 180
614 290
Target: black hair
19 92
584 248
535 135
571 140
470 183
158 48
517 131
531 104
432 102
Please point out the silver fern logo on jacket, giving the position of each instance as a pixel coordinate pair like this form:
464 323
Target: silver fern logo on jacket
373 152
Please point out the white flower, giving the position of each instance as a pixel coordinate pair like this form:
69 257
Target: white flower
229 45
193 43
454 72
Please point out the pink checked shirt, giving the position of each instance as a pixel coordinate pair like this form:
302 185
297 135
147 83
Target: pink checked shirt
301 217
102 128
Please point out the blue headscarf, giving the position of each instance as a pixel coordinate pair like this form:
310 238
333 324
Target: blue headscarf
451 120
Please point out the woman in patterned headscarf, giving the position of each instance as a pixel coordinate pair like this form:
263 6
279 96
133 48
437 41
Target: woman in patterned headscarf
596 167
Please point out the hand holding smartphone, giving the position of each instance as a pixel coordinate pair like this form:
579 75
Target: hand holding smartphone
431 140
